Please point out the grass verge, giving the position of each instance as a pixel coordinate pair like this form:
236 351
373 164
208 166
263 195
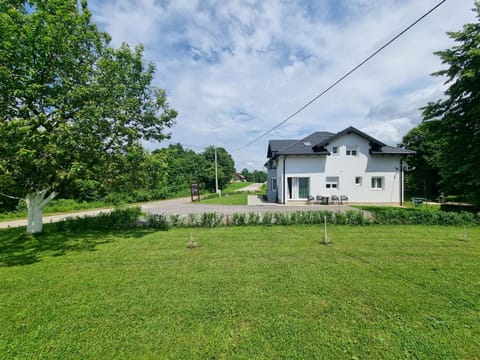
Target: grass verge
244 292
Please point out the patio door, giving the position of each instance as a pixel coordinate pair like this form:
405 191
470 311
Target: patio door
298 187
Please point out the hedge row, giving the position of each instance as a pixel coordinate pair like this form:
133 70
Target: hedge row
130 218
398 216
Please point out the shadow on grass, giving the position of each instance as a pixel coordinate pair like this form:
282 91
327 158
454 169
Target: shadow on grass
18 248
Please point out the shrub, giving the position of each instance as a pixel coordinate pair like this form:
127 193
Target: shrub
390 216
281 218
175 220
267 219
253 219
239 219
193 220
119 218
157 221
211 219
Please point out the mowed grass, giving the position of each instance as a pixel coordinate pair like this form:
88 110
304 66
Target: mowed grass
243 293
240 198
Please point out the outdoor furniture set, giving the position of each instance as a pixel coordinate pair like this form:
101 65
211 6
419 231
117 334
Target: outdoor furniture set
325 200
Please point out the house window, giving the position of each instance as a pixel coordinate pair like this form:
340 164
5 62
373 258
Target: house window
335 150
298 187
331 182
274 184
377 182
358 181
352 150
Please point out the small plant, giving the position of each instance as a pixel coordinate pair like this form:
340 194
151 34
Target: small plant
239 219
192 244
193 220
175 220
281 218
267 219
212 219
253 219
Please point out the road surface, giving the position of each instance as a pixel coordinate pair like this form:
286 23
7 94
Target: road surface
184 206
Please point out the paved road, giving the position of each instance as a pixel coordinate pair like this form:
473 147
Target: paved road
184 206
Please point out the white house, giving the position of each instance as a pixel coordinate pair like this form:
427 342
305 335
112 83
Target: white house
324 165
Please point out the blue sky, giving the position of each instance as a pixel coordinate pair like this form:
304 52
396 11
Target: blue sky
235 68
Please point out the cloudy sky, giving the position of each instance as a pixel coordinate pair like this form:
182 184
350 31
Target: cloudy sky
233 69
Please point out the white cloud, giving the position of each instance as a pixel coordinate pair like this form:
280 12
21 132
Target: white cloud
235 69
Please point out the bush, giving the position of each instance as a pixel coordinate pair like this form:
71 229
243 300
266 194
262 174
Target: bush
253 219
157 221
239 219
118 219
211 219
394 216
267 219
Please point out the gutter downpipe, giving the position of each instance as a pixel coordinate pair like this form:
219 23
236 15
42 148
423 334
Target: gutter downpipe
284 183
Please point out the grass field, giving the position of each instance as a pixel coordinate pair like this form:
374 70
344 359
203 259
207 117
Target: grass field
243 293
240 198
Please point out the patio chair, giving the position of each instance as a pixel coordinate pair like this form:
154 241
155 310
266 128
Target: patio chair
343 199
334 199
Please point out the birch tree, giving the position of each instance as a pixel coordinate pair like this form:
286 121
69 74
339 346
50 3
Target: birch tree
68 100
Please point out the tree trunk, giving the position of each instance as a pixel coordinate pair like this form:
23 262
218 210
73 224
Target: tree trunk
36 202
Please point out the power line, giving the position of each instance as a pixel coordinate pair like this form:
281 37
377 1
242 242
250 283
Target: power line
346 75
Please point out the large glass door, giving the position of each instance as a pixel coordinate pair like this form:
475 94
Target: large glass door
298 187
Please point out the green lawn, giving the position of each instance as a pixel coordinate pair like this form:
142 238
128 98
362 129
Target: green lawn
229 195
239 198
244 293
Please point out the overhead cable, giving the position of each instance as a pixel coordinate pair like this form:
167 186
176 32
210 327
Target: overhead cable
345 76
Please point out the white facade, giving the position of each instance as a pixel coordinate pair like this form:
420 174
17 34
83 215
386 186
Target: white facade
350 170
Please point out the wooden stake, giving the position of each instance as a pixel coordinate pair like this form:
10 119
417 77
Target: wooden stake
325 235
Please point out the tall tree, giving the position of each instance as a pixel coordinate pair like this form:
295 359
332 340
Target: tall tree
225 167
456 119
68 101
424 179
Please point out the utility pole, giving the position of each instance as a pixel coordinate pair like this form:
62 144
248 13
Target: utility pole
216 172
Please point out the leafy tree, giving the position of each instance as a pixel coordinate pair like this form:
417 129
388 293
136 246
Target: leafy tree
248 176
456 119
183 167
424 179
225 167
255 176
69 103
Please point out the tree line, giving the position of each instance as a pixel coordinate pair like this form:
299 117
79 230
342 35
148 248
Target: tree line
141 175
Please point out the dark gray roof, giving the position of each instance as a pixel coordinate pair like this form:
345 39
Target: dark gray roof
390 150
315 144
305 146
